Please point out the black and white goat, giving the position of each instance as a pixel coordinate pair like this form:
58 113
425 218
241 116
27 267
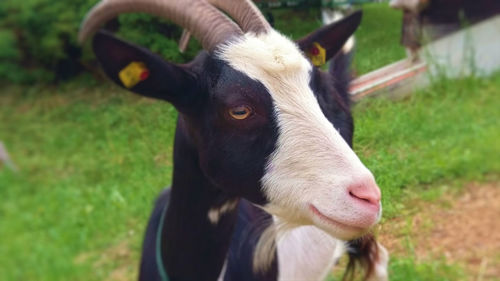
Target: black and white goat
265 183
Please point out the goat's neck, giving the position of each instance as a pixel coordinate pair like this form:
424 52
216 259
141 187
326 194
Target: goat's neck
193 247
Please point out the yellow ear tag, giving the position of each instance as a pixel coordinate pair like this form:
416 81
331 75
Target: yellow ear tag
317 54
133 73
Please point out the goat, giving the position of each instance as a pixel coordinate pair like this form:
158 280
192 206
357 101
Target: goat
264 178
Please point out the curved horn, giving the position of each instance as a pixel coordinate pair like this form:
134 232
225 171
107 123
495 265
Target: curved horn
245 13
206 23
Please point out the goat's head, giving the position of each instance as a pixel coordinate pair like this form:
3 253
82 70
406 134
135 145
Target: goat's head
266 124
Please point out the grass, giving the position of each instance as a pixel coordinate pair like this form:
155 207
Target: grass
378 38
409 269
92 160
447 131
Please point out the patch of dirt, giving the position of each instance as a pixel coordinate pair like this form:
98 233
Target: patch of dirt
118 256
121 256
465 229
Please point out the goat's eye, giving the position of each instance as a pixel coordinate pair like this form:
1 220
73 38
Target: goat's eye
240 112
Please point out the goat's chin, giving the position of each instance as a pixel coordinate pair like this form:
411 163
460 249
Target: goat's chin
309 215
341 229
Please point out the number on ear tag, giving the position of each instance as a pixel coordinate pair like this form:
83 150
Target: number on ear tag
133 73
317 54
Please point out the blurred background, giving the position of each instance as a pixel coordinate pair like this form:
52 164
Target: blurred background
81 160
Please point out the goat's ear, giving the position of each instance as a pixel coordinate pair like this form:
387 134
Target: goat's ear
140 71
326 42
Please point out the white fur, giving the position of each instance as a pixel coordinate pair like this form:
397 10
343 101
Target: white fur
214 214
329 16
381 273
414 6
223 271
307 253
312 163
349 45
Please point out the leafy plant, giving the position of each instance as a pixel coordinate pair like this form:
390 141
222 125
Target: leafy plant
39 38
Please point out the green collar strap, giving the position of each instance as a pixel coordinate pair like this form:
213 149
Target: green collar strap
159 261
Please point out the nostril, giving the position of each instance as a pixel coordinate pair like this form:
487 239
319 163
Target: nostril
369 193
360 198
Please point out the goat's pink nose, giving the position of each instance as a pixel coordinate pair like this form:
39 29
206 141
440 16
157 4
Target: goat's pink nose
367 191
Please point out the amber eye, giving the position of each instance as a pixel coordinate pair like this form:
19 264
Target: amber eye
240 112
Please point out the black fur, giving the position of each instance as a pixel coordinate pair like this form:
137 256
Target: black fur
149 266
252 221
218 159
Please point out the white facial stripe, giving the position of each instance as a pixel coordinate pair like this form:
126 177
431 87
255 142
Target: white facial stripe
312 161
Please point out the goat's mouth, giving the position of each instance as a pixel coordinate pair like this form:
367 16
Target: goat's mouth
330 222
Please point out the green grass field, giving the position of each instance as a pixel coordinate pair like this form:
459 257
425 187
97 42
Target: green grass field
92 158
